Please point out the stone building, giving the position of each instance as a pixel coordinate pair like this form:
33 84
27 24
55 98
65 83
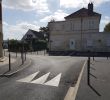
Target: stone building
1 31
79 32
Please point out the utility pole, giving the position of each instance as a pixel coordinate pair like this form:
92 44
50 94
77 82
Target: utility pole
81 34
1 31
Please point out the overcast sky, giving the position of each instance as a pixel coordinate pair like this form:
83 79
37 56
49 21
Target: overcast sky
21 15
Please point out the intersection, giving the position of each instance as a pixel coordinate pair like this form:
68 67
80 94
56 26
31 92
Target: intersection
48 78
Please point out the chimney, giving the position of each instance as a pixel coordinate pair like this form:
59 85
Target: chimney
90 8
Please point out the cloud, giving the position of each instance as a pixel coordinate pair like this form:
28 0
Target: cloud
104 21
17 31
58 16
53 4
27 5
80 3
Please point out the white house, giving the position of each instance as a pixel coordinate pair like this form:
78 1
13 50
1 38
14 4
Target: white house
79 32
31 34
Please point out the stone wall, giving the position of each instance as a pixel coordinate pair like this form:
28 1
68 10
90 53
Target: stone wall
98 42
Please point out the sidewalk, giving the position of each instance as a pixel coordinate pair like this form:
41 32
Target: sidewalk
101 84
16 66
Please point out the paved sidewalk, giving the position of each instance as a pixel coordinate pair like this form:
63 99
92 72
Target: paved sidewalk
101 84
5 61
16 65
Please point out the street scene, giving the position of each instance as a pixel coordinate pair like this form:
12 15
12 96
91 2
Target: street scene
54 49
47 78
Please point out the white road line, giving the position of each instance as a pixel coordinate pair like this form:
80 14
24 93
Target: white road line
69 94
28 78
72 92
55 81
42 79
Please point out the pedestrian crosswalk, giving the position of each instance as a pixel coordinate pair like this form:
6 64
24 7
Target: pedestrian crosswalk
42 79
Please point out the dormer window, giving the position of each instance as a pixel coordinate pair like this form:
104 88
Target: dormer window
29 36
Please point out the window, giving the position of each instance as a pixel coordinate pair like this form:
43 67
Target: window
63 27
72 26
29 36
91 24
108 42
89 43
72 42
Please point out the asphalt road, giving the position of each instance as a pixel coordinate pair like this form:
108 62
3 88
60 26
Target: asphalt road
48 78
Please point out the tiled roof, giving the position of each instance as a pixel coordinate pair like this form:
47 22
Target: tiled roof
82 13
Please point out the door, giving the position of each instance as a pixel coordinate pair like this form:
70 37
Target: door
72 44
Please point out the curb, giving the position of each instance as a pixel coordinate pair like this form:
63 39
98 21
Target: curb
72 91
20 69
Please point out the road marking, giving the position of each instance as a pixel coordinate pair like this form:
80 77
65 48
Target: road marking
28 78
42 79
69 94
55 81
72 92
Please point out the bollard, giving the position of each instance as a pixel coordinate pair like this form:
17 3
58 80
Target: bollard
88 71
22 57
4 52
9 62
93 58
16 54
107 58
44 52
25 55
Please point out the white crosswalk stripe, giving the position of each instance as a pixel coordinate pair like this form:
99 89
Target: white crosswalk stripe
42 79
55 81
28 78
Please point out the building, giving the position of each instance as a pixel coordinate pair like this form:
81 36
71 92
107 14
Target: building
36 40
79 32
5 44
1 31
31 34
31 37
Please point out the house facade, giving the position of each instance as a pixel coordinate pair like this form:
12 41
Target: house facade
31 34
79 32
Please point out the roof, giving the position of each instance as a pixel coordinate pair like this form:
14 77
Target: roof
37 34
82 13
